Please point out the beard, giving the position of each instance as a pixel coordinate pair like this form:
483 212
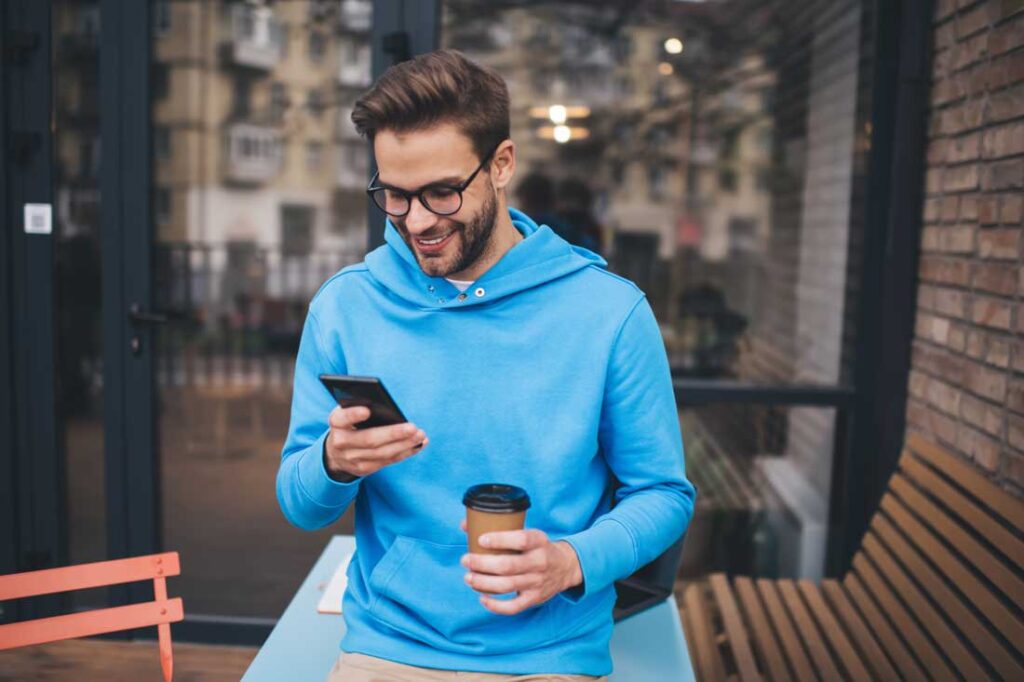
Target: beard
468 245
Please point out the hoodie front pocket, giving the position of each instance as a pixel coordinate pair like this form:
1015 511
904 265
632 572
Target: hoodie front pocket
419 590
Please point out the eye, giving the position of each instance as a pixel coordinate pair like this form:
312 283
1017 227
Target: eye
440 193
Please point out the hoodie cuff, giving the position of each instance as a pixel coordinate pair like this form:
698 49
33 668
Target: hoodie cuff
317 483
606 552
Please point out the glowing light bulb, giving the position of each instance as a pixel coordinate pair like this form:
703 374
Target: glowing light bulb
558 114
674 46
562 134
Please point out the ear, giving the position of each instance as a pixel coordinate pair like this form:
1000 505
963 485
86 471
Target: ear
503 165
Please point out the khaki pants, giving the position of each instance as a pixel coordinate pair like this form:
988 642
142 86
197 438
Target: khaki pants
362 668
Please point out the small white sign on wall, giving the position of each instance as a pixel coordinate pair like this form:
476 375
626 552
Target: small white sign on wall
38 219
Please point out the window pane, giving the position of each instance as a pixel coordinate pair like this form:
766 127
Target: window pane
253 212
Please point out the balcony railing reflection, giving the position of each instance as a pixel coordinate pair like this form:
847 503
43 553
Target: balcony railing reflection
236 310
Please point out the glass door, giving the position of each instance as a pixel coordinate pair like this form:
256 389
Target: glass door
257 198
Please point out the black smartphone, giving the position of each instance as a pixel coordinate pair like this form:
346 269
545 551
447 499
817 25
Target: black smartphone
350 391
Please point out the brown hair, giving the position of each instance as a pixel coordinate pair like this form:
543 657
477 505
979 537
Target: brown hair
433 88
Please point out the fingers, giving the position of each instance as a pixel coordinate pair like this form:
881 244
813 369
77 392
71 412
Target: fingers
502 584
510 607
390 453
519 540
382 435
506 564
346 418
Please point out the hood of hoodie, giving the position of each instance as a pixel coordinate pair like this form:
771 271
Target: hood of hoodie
542 256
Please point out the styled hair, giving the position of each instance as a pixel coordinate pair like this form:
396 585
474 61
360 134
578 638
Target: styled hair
435 88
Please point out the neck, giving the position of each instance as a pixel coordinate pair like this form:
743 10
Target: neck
504 237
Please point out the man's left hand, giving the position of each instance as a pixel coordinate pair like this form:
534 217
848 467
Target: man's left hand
541 570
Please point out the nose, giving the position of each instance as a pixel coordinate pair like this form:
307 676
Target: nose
419 219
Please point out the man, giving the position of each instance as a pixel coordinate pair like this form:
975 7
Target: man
520 360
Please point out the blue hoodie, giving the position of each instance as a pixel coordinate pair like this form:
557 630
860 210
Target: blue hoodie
550 375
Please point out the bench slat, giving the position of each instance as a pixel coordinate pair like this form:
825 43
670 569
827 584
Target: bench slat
764 639
961 617
854 622
966 476
973 515
926 614
820 655
734 628
86 576
790 643
957 572
887 637
833 631
706 654
902 620
993 569
89 623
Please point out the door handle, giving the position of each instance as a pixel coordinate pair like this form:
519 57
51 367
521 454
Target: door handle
136 315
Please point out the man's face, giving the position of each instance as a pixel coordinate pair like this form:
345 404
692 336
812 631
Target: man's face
410 161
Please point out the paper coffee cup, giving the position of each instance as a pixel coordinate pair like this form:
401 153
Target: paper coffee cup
493 507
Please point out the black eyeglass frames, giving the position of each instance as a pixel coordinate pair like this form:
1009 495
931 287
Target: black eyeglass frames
437 198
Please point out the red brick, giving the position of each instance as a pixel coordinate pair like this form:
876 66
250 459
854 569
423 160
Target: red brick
975 20
976 344
936 153
917 384
998 352
969 207
931 421
999 244
932 328
926 297
943 8
1004 70
981 414
969 51
1011 209
944 270
957 338
942 64
951 302
1015 431
985 382
1017 353
950 208
992 312
988 210
943 396
1012 472
945 36
995 277
1006 104
933 180
958 239
979 447
1001 174
1007 37
1015 396
1000 141
939 362
961 117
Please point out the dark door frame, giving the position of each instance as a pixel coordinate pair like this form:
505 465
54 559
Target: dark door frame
34 528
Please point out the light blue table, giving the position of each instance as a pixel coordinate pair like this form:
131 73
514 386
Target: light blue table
304 644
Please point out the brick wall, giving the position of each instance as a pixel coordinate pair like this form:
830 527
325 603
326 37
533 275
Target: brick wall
967 377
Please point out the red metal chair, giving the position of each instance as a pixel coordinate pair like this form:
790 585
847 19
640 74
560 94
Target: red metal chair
160 612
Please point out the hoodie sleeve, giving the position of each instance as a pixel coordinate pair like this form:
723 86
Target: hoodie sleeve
309 498
641 441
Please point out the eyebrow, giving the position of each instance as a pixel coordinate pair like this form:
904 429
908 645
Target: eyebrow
447 180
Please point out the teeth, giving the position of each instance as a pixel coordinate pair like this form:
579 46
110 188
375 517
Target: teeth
433 241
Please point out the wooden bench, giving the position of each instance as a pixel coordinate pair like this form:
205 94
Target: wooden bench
936 591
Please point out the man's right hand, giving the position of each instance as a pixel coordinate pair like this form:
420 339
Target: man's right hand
351 453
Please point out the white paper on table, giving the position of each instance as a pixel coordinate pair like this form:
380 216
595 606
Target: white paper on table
330 600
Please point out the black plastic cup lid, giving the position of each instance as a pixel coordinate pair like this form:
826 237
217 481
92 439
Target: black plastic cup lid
496 497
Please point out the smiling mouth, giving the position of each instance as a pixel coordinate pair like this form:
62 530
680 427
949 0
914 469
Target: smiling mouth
435 242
